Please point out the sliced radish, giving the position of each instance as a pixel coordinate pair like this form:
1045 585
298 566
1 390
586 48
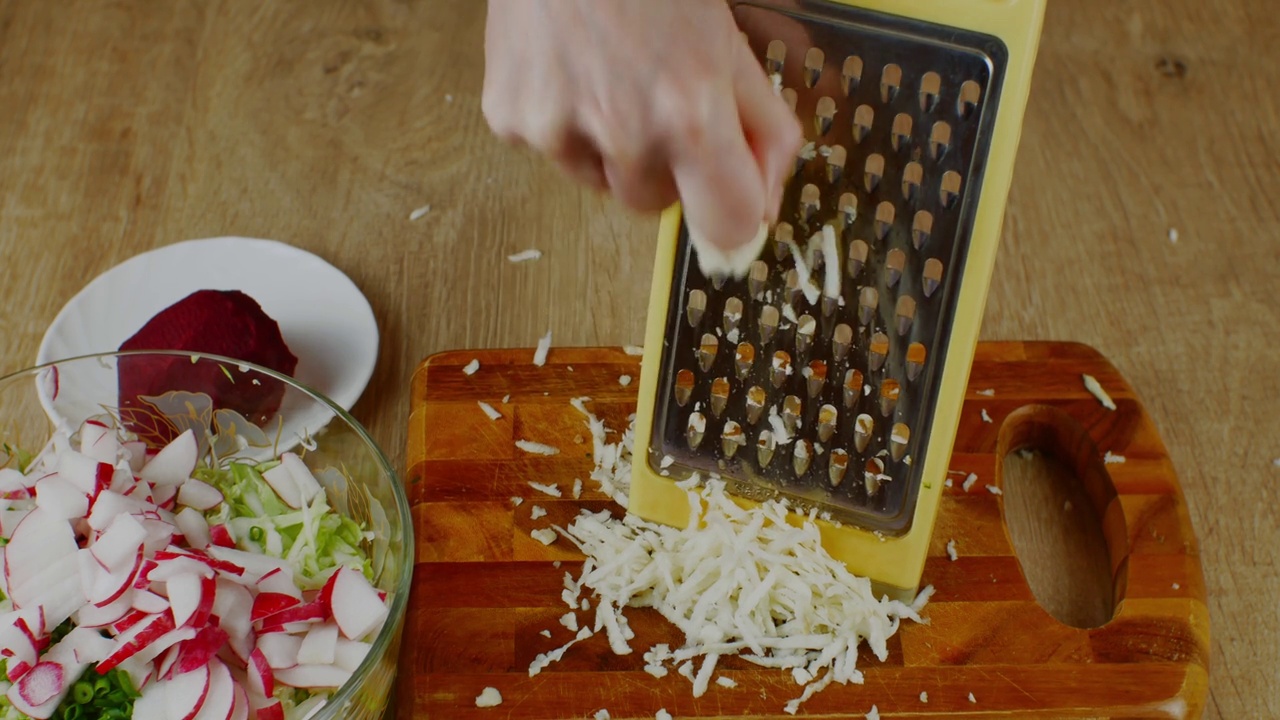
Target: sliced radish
119 545
355 604
168 640
300 613
39 541
280 650
194 528
273 710
60 499
232 604
267 604
159 534
37 693
110 586
313 676
260 679
86 646
130 619
100 442
201 649
281 480
171 566
9 520
79 470
348 654
136 453
240 710
92 616
308 486
133 640
150 603
199 495
221 698
279 581
220 536
174 463
62 595
178 698
186 593
320 645
223 566
61 573
140 673
109 505
254 565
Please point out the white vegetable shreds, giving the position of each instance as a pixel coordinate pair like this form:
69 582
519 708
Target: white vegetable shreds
602 715
624 380
924 697
517 501
830 263
989 392
525 256
577 488
986 418
874 714
726 682
536 448
543 660
471 367
546 536
1093 386
969 482
994 490
418 213
634 350
490 410
551 490
544 346
1112 459
663 715
489 697
951 550
537 512
972 699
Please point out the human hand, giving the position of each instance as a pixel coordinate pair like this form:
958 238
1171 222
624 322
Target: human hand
653 100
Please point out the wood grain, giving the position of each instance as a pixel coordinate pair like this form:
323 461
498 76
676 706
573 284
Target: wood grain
1040 607
130 125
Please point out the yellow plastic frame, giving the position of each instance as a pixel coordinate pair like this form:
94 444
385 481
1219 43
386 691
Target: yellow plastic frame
894 565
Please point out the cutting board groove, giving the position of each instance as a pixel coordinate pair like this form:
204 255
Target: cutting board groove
484 589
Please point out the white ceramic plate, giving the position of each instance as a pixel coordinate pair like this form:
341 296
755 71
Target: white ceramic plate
325 320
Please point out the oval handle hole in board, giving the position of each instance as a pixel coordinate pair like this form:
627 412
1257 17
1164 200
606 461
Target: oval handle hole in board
1063 516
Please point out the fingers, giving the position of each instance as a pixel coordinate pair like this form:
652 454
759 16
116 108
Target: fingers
773 132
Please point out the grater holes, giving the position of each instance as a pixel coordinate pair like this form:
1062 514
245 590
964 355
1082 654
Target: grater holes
684 386
801 457
916 355
696 307
756 399
863 427
851 74
848 209
790 97
719 395
780 368
950 188
813 61
825 115
894 263
744 358
837 466
885 214
970 94
707 350
932 276
899 437
757 277
921 227
807 152
873 476
732 438
912 179
732 315
775 56
841 340
783 238
765 447
868 300
852 388
939 140
902 125
890 391
835 168
792 287
792 410
806 327
890 82
859 251
696 429
863 118
815 377
930 88
828 419
877 351
873 172
905 314
811 201
768 323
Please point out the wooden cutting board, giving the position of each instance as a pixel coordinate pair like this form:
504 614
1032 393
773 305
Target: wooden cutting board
484 589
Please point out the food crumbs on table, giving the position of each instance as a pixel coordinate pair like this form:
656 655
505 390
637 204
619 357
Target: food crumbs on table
994 490
490 410
546 536
1095 388
418 213
972 699
577 489
506 399
1173 235
726 682
551 490
989 392
1176 586
634 350
662 715
874 714
986 418
1112 459
471 367
544 347
969 482
545 634
924 697
602 715
537 512
524 256
489 697
624 380
517 501
951 550
535 448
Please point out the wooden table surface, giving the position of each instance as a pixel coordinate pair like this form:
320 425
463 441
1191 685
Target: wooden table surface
130 125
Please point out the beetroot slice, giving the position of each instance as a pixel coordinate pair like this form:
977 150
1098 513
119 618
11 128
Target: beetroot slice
216 322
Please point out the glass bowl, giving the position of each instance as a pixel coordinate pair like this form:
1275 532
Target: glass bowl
272 414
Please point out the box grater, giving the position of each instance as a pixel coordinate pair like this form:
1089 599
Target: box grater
832 374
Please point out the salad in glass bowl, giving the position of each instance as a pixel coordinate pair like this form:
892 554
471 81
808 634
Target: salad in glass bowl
170 554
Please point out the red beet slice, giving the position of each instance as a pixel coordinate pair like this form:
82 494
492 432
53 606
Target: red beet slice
216 322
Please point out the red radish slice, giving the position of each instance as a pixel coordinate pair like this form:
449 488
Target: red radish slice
260 679
220 536
159 534
280 650
254 565
79 470
85 646
168 640
136 451
194 528
62 500
221 698
350 653
174 463
221 565
171 566
62 595
240 710
201 649
271 711
36 693
110 586
199 495
233 603
186 593
313 676
131 641
92 616
267 604
281 480
299 613
178 698
308 486
39 541
9 520
119 545
320 645
108 506
148 602
355 604
99 441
